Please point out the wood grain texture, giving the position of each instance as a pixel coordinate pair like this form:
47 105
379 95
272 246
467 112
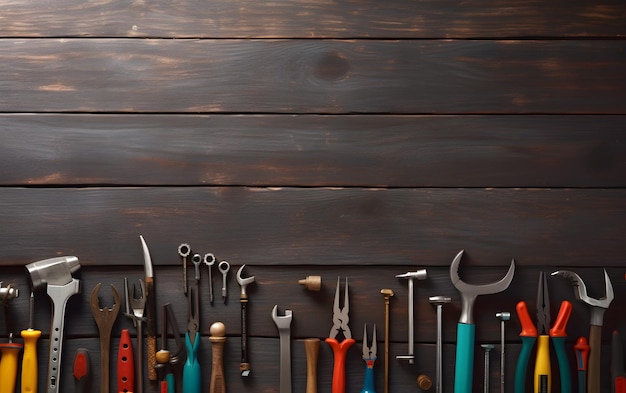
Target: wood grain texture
316 226
313 19
312 150
304 76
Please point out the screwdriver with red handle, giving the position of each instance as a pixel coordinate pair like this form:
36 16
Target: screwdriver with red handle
82 371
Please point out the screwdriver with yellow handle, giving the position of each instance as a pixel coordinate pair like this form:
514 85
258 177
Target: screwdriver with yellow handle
29 361
8 365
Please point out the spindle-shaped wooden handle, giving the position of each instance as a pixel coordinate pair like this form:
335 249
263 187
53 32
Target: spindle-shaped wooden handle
312 348
218 339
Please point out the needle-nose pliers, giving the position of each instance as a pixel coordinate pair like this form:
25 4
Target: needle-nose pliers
542 333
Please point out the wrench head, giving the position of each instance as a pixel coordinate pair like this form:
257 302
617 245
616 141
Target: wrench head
209 259
243 281
282 321
580 289
484 289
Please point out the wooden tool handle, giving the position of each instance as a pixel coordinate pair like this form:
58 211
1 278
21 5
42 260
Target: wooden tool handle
218 339
593 370
312 348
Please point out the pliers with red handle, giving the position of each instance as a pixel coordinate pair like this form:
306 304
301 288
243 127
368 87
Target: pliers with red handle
340 323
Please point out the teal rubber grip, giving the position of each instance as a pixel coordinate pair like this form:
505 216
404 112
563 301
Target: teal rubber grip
464 367
368 384
561 355
192 375
171 383
522 362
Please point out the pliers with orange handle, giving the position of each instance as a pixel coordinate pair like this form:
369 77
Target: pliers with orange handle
340 323
530 333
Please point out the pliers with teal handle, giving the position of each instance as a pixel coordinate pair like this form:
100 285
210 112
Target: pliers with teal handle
192 375
369 357
529 336
466 329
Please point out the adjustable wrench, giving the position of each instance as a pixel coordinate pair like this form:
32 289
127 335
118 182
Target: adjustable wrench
283 323
464 369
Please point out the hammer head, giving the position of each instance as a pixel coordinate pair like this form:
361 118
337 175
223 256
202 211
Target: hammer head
54 271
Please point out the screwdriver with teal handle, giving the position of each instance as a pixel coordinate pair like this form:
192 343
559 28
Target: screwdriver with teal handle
466 330
192 374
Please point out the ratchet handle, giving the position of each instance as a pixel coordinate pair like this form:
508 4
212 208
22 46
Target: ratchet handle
192 375
125 364
464 367
339 367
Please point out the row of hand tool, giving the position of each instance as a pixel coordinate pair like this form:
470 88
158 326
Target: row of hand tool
55 275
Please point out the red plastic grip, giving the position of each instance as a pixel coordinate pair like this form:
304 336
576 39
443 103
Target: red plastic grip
558 329
528 327
582 353
125 364
339 368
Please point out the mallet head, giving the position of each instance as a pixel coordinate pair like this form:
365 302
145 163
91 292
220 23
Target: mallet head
54 271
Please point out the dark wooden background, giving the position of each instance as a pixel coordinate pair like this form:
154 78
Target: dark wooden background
359 138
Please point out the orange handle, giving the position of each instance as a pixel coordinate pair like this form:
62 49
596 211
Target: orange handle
339 368
125 364
528 327
558 329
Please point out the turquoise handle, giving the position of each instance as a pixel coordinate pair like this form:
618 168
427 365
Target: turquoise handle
522 362
192 376
566 378
464 368
171 387
368 384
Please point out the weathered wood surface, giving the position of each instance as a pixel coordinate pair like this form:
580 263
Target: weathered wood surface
313 76
313 19
313 150
317 226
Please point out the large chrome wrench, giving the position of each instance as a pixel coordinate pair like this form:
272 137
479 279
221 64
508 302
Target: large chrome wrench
283 323
466 329
598 307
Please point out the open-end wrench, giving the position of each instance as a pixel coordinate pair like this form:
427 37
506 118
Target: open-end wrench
224 267
244 366
598 307
105 318
209 261
283 323
464 369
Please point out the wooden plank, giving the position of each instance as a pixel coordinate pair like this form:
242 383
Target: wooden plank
313 19
304 76
311 150
316 226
